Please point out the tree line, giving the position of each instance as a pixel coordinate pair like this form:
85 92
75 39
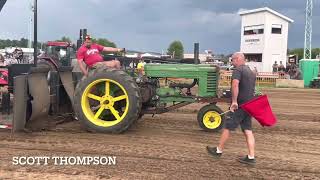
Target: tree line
23 43
300 51
175 49
13 43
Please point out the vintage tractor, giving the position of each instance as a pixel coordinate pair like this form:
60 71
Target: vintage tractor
110 100
56 54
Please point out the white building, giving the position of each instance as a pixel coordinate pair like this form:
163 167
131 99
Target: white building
264 38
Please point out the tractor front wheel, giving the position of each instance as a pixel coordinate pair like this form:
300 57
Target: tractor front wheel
209 118
107 101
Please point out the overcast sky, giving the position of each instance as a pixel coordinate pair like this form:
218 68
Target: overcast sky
150 25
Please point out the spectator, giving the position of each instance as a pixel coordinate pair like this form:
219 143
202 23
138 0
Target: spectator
275 67
281 67
2 63
140 66
292 70
288 68
296 74
18 54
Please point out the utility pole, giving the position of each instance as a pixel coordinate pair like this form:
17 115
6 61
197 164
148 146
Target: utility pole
30 25
308 31
2 3
35 35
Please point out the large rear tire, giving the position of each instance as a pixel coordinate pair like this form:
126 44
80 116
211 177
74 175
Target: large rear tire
107 101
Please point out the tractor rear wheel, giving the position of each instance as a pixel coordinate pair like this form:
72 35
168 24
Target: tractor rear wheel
44 63
47 64
107 101
209 118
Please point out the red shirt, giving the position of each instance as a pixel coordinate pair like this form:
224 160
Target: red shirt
90 56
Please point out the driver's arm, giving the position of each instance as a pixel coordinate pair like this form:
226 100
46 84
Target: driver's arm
111 49
80 60
82 68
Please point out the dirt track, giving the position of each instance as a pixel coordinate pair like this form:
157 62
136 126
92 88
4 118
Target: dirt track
172 146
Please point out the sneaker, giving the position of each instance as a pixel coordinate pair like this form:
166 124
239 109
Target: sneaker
213 151
246 160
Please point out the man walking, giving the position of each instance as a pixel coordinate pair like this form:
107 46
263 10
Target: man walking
243 86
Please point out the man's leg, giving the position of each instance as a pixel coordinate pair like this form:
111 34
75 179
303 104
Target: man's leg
246 126
250 142
232 122
113 64
117 64
110 64
223 139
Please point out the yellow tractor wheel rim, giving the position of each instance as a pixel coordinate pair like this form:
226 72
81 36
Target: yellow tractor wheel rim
212 119
106 103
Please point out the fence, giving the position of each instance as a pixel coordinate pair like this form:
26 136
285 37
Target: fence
263 79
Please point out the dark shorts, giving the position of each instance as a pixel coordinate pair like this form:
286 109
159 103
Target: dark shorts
239 117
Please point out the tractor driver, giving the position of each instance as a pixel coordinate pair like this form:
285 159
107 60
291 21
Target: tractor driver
89 53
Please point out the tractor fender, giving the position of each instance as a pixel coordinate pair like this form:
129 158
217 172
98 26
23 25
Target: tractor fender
53 65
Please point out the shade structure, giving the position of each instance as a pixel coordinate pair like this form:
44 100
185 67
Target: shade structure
260 109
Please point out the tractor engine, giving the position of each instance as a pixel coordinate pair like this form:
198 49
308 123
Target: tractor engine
148 88
151 91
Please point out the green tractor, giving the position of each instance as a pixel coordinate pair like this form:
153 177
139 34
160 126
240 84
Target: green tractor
110 101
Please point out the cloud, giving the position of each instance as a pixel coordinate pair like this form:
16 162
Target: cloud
150 25
95 1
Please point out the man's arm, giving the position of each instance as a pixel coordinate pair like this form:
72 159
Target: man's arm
80 60
235 93
235 90
82 68
111 49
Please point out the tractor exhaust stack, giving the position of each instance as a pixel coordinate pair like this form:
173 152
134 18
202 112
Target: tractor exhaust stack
196 53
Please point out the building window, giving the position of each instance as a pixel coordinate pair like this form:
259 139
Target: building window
276 29
253 57
252 30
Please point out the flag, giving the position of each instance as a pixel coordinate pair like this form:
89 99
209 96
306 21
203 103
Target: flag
260 109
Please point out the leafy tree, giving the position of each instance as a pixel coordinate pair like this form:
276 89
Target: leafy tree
13 43
105 42
300 52
23 42
65 39
315 52
297 51
176 50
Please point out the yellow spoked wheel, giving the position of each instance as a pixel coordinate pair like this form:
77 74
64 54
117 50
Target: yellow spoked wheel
212 119
105 108
107 101
209 118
